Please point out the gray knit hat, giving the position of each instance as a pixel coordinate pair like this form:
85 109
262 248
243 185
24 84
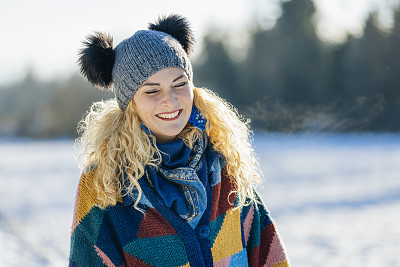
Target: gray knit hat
167 43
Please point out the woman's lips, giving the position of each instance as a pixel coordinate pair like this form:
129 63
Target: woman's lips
170 116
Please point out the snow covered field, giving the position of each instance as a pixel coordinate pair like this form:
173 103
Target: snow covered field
335 198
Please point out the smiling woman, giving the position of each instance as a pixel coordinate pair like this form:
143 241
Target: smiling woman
170 174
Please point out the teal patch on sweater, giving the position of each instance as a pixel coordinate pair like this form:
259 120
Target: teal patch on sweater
81 255
215 227
90 224
159 251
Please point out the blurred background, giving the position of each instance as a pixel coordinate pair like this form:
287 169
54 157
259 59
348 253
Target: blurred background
320 81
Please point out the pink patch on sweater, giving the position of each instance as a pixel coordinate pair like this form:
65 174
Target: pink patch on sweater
106 260
222 263
75 218
247 224
276 252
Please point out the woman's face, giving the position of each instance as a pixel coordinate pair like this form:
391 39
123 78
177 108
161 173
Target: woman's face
164 103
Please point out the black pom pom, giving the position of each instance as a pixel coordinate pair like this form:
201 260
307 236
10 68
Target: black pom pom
96 60
178 27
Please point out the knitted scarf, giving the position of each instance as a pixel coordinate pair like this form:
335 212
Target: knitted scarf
181 178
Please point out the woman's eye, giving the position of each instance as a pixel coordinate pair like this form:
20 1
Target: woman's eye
181 84
151 92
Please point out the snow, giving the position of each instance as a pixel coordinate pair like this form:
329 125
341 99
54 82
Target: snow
334 198
37 187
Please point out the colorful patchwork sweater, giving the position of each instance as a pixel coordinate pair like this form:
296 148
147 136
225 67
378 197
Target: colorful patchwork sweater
121 235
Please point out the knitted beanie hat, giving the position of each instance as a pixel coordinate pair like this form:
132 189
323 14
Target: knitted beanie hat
167 43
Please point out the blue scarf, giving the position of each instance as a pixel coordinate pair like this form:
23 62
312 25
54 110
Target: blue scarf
181 179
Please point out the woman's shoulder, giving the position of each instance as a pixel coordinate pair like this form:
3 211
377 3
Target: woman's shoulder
86 181
86 196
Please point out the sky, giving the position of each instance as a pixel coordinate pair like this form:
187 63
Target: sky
44 36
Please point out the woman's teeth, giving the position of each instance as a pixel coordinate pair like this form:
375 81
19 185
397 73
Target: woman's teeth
168 116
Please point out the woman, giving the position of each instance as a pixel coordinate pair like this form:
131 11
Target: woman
170 172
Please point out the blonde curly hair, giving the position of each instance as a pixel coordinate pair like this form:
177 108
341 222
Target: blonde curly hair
114 142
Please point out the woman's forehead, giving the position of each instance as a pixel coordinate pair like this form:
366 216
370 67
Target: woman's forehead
167 74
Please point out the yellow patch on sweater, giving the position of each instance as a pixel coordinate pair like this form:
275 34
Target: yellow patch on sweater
86 194
229 239
284 263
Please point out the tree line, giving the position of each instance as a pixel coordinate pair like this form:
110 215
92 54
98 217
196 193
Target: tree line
293 81
290 80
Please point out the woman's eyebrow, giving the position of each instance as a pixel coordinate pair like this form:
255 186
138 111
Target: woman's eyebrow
180 76
150 84
157 84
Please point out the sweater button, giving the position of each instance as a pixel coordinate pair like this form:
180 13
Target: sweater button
203 231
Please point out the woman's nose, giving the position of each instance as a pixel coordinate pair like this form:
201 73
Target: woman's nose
169 99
